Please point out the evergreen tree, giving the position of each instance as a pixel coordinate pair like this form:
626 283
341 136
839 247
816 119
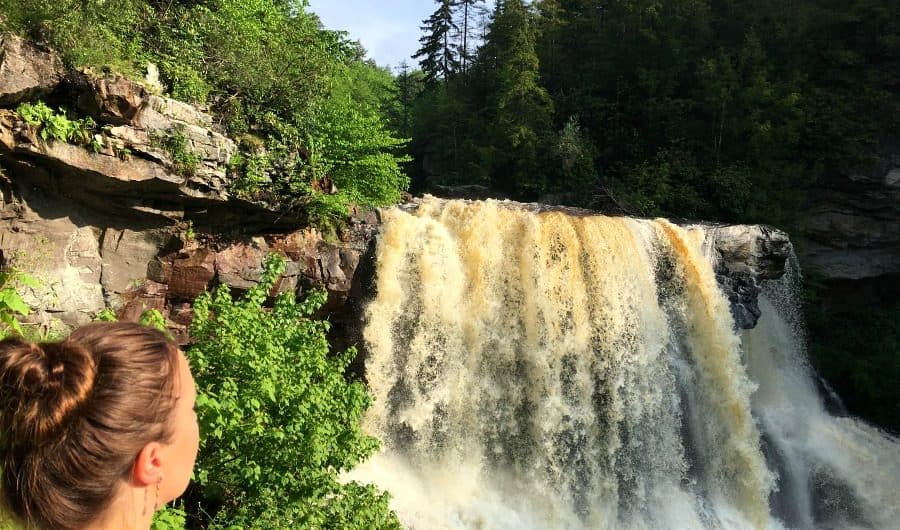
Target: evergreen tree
408 85
469 11
438 59
520 107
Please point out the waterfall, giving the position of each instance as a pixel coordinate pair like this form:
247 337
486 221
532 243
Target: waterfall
543 371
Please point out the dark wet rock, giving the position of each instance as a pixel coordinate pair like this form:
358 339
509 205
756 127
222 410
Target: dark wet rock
853 230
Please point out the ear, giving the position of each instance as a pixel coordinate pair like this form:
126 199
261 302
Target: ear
147 468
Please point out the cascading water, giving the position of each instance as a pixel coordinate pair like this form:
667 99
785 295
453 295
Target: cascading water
546 371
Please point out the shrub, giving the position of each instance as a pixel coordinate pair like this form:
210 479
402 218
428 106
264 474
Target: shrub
56 125
279 420
12 305
351 145
184 161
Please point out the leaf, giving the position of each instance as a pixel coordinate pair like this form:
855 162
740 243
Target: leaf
14 302
28 280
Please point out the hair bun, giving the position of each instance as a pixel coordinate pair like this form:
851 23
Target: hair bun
41 387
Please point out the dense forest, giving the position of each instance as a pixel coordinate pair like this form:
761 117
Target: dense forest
723 111
713 110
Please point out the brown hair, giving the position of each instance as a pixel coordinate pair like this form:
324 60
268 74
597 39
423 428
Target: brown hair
75 414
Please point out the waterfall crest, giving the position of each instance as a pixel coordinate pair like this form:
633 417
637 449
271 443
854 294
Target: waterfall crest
548 371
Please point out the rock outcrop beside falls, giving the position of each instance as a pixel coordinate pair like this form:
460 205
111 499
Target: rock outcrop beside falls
122 228
746 255
854 222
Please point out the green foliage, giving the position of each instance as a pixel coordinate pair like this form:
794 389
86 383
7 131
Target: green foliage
12 305
154 319
266 66
521 108
123 153
169 518
575 155
107 315
87 32
439 60
184 161
408 85
748 108
96 143
351 145
8 523
56 125
279 421
855 345
250 174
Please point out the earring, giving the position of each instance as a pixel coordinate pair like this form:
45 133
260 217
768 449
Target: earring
144 511
156 502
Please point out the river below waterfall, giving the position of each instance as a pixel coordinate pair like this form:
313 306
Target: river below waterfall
539 371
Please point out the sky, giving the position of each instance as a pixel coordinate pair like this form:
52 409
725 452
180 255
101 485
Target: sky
388 29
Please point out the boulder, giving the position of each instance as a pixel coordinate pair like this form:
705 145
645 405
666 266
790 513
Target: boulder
126 253
190 273
240 265
758 250
111 99
64 257
27 71
745 255
149 295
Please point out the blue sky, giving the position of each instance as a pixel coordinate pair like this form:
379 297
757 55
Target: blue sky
388 29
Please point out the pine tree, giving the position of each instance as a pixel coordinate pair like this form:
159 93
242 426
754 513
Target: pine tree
469 12
438 59
408 84
521 107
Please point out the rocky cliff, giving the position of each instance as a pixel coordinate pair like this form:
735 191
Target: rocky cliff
853 230
121 226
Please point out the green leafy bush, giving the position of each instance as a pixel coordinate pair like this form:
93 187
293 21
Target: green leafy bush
12 305
279 420
358 151
184 161
169 518
250 174
56 125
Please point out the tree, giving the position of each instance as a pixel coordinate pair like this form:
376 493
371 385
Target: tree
520 107
438 59
470 10
408 86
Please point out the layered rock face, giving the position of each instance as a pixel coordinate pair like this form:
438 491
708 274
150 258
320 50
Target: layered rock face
854 223
121 227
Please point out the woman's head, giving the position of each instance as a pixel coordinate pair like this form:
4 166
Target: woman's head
107 409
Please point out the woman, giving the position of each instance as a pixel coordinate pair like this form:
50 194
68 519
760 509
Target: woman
98 431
